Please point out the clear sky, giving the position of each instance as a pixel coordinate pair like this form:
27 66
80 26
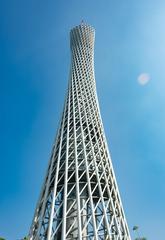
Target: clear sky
130 76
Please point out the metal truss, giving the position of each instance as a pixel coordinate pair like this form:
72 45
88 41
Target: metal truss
80 198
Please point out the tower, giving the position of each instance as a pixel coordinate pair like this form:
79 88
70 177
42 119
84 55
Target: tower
80 198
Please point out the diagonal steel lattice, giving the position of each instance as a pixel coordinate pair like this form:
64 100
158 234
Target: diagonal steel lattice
80 198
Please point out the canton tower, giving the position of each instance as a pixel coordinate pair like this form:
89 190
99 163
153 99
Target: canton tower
80 199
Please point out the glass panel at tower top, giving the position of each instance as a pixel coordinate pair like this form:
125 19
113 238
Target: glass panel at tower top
80 198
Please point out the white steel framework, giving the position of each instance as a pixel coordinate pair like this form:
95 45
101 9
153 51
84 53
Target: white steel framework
80 198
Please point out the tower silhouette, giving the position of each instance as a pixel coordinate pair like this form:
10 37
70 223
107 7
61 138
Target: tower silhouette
80 198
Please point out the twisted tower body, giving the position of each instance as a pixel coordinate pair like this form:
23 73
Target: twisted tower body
80 198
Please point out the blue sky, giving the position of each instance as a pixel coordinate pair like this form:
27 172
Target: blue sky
34 60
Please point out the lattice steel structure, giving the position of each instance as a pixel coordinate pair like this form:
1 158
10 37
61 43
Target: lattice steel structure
80 198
